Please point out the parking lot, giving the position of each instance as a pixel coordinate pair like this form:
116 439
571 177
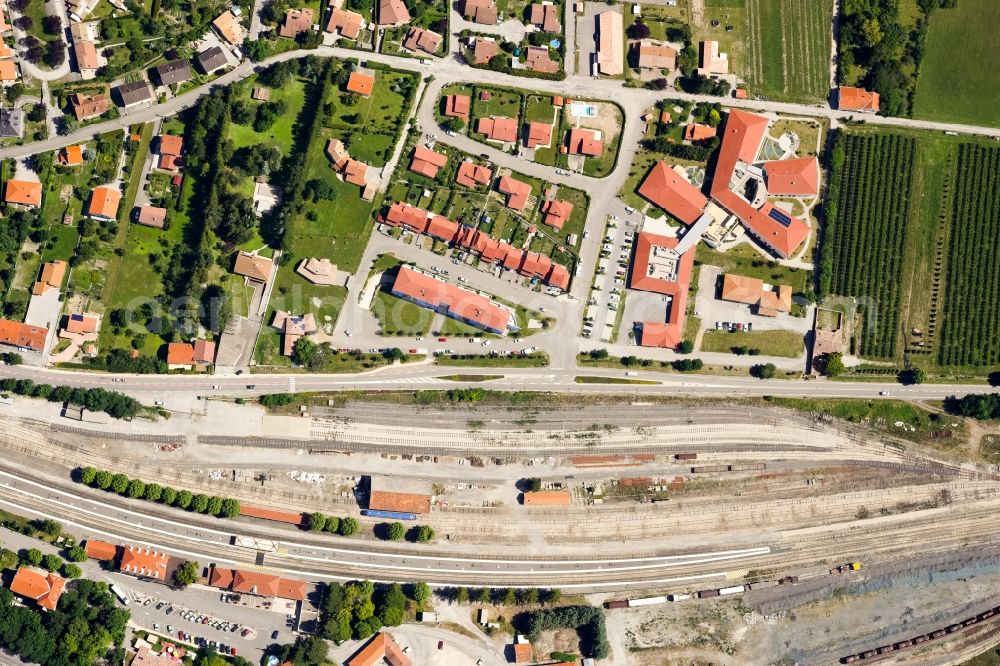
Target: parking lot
607 294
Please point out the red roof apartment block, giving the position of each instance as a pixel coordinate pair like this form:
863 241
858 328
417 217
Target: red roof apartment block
100 550
657 268
380 648
666 188
556 212
426 162
42 587
857 99
257 583
797 177
143 562
461 304
538 134
498 129
457 106
471 174
517 192
585 142
740 142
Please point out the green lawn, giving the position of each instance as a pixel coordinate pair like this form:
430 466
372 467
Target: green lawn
279 134
955 85
745 260
400 317
502 102
770 343
538 108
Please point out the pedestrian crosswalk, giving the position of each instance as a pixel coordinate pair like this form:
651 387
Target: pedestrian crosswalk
291 384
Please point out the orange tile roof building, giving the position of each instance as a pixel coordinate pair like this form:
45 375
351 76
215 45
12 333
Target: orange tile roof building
669 190
480 11
658 268
403 495
556 212
85 53
538 135
498 128
848 98
698 132
347 23
52 276
547 498
204 352
655 56
457 106
470 174
796 177
71 156
18 334
257 583
82 323
774 228
180 355
23 193
104 203
296 22
144 563
361 83
253 266
585 142
392 13
710 60
100 550
8 70
418 39
426 162
41 586
86 107
229 27
767 299
151 216
460 304
485 50
522 653
381 648
545 17
517 192
537 59
610 43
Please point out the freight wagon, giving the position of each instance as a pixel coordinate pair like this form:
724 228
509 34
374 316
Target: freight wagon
705 594
686 456
739 467
735 589
621 603
647 601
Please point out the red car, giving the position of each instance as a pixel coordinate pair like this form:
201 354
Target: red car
442 339
232 651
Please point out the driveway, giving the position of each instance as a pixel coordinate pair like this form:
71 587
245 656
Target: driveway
58 9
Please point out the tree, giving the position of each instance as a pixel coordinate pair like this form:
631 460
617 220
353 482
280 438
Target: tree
87 475
421 592
395 531
186 574
831 364
183 499
34 556
305 351
423 534
51 24
462 595
230 508
316 522
528 596
912 376
52 562
153 492
598 354
136 489
534 484
638 30
8 559
484 595
119 483
103 479
76 554
763 371
685 347
214 506
71 571
552 596
169 496
508 597
199 503
348 526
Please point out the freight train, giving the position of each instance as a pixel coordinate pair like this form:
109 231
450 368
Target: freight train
738 467
701 594
922 638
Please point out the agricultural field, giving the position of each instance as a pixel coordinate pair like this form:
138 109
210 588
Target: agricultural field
953 84
867 219
972 287
789 48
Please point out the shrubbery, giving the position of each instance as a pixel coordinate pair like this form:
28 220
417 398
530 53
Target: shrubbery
114 404
152 492
587 620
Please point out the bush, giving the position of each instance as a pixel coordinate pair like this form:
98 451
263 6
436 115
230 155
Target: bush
348 526
763 371
395 531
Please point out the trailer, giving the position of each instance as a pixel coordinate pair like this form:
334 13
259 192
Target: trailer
678 597
789 580
388 515
647 601
844 568
120 593
735 589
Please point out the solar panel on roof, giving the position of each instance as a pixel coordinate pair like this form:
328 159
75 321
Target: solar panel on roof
779 217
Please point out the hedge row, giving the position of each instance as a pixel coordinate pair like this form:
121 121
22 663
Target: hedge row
152 492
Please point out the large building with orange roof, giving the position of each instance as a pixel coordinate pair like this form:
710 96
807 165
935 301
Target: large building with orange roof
17 334
498 129
741 140
144 562
426 162
380 649
768 300
547 498
257 583
460 304
796 177
658 268
668 189
610 43
847 98
52 276
104 203
470 174
23 193
41 586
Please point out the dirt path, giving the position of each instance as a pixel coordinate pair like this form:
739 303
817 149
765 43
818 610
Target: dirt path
697 12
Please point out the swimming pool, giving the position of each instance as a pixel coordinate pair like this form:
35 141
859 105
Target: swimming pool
583 110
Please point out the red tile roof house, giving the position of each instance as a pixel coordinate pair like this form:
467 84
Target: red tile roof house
545 16
480 11
257 583
666 188
380 649
796 177
392 13
658 269
457 106
741 139
484 50
418 39
426 162
497 128
180 356
144 563
204 352
538 135
698 132
585 142
556 212
471 174
517 192
347 23
296 22
41 586
460 304
537 59
856 99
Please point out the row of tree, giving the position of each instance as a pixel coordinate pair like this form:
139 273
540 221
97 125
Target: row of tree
153 492
982 406
114 404
317 522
